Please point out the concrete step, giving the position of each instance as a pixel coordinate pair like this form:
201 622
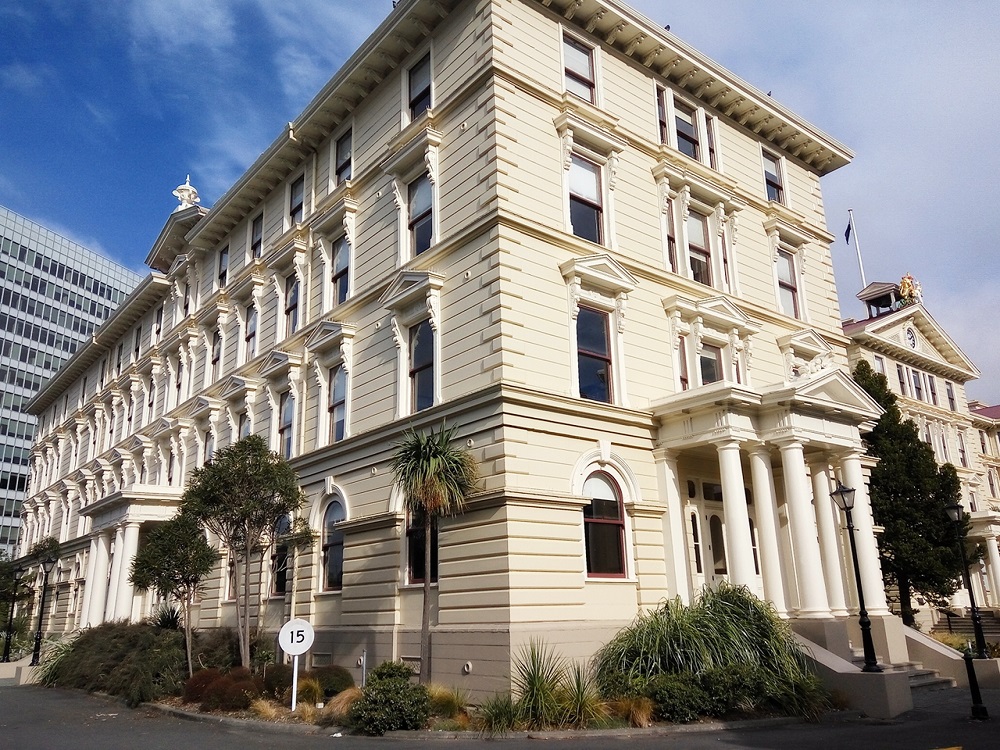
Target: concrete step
928 679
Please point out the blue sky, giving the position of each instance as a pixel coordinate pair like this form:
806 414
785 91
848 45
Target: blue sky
105 107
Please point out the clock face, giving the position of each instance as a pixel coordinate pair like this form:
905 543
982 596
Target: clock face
911 338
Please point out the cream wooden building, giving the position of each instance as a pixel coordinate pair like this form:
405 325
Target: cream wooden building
928 373
557 226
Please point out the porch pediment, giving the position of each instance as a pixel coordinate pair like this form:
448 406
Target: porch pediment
833 392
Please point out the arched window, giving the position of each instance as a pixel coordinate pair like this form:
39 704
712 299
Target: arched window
333 547
279 558
604 527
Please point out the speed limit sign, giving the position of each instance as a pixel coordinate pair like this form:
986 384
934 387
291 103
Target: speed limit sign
296 637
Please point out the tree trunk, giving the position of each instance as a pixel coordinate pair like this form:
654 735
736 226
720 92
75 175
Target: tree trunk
245 632
425 620
905 600
186 612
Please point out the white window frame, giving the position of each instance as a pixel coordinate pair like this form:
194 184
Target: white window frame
404 81
287 213
783 237
602 284
335 179
583 140
332 345
680 193
716 322
250 237
419 156
782 176
706 127
567 36
414 296
222 270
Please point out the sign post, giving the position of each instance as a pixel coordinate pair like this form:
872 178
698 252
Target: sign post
296 637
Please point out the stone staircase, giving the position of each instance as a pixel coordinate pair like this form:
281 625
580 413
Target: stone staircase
920 679
958 625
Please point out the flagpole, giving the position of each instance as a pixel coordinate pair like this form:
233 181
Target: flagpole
857 246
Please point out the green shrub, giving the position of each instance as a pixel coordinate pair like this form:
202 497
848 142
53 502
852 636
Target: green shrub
277 679
135 662
389 701
677 698
738 688
498 715
165 616
216 647
333 678
194 687
579 700
51 661
391 670
538 678
726 627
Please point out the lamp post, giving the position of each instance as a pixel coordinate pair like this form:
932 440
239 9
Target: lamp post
956 514
47 564
979 711
844 497
10 614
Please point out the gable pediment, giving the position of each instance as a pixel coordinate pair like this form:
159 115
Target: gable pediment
410 286
832 391
160 426
278 362
329 335
235 387
930 347
600 272
203 405
136 443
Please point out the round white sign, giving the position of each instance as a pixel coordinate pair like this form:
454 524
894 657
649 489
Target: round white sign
296 637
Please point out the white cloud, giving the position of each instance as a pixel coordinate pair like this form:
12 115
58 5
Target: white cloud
26 79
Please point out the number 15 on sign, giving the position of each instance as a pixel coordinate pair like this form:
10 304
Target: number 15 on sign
296 637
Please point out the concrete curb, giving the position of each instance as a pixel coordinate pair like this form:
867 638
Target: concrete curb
251 724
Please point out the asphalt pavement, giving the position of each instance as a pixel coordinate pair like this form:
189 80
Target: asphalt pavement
35 718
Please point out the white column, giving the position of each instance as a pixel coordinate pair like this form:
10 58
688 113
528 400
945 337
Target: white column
827 517
864 537
88 591
808 563
767 527
993 568
116 566
674 534
97 580
734 505
125 592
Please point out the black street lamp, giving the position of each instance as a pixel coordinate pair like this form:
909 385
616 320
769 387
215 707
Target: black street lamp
844 497
47 564
10 614
956 514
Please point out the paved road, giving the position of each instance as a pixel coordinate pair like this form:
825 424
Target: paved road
33 718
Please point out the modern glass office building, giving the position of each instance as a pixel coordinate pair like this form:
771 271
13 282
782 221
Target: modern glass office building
53 294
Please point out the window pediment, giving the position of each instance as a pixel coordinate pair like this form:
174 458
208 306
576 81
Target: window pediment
179 266
678 181
574 130
161 426
411 157
292 252
237 388
278 363
414 296
338 219
600 272
806 353
329 337
202 406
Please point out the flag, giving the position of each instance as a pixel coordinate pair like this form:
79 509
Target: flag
847 234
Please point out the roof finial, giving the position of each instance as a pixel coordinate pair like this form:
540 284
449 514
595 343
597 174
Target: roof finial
186 194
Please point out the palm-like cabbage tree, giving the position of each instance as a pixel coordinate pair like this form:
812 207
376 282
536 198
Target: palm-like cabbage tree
436 478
